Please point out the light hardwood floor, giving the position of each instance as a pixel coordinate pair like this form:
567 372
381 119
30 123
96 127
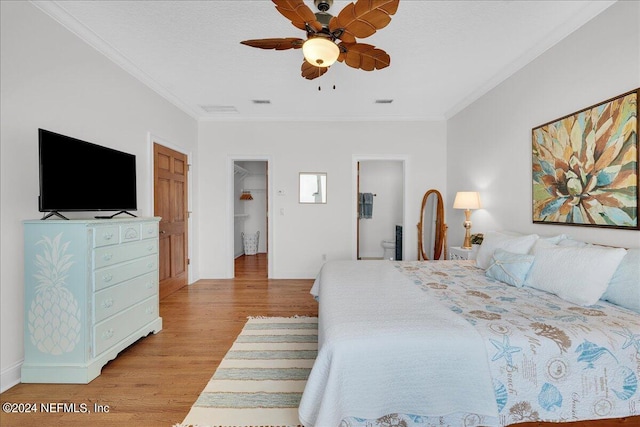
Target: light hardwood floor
155 381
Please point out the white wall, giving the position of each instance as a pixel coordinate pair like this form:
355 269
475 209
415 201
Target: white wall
384 178
489 143
306 232
51 79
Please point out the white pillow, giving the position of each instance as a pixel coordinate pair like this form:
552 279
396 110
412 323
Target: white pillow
578 275
555 239
541 243
496 240
624 287
572 243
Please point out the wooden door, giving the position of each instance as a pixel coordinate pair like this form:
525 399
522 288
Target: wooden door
170 203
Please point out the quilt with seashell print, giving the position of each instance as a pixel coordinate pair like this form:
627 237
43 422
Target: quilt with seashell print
550 360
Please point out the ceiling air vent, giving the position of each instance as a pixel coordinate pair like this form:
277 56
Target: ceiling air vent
219 108
384 101
261 101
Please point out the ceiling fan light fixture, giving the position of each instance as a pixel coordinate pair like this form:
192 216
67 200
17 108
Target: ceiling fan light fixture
320 51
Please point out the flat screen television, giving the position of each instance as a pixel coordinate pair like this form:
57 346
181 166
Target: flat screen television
77 175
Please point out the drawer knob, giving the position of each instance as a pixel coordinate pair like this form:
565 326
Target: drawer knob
107 257
107 236
149 248
107 334
149 310
151 265
107 277
107 303
149 285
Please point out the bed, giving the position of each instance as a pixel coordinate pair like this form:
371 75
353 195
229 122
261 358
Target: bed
386 356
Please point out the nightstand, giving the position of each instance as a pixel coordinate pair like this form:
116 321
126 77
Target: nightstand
456 252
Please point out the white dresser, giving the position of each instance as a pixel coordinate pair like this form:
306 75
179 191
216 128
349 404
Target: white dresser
90 291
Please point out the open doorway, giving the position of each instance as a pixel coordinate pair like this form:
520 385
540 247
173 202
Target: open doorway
380 208
250 219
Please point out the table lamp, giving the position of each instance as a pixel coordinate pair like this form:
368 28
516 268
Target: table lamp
467 200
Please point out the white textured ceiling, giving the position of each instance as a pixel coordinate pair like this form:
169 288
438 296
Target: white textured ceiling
444 54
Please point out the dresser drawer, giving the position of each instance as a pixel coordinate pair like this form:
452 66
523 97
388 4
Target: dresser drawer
114 299
104 236
150 230
129 232
113 275
109 332
110 255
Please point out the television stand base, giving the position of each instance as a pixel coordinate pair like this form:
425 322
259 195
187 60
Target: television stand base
54 213
118 213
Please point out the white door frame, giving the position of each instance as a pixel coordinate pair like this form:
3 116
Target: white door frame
230 211
354 199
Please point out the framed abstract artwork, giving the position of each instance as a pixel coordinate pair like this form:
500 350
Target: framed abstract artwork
585 166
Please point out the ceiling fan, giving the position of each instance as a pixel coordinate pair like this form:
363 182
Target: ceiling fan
333 38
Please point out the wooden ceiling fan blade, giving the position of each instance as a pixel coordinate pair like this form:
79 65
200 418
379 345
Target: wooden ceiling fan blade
364 56
363 18
311 72
298 13
275 43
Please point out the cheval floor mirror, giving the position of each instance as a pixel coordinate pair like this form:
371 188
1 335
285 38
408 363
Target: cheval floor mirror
432 230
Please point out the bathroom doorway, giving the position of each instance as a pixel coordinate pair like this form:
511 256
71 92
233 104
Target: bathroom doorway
380 208
250 219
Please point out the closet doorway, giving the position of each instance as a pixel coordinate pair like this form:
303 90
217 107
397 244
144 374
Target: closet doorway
380 209
250 219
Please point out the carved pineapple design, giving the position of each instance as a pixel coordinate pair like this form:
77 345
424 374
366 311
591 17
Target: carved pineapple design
54 315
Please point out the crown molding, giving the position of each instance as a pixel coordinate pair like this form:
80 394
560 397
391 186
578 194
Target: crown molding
236 118
589 12
55 11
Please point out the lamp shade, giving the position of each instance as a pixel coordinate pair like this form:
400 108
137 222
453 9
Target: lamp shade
320 51
467 200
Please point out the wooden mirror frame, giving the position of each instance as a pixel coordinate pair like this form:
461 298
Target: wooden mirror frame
440 246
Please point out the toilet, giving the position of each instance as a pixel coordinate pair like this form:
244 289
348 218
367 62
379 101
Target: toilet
389 247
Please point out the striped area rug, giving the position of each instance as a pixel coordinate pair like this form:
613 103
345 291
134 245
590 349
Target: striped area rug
261 379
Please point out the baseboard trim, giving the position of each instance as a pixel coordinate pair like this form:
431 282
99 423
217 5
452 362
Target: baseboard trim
10 376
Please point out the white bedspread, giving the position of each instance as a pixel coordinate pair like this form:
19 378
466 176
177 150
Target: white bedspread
382 351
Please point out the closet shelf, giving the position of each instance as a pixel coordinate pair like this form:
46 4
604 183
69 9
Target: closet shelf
243 215
239 170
